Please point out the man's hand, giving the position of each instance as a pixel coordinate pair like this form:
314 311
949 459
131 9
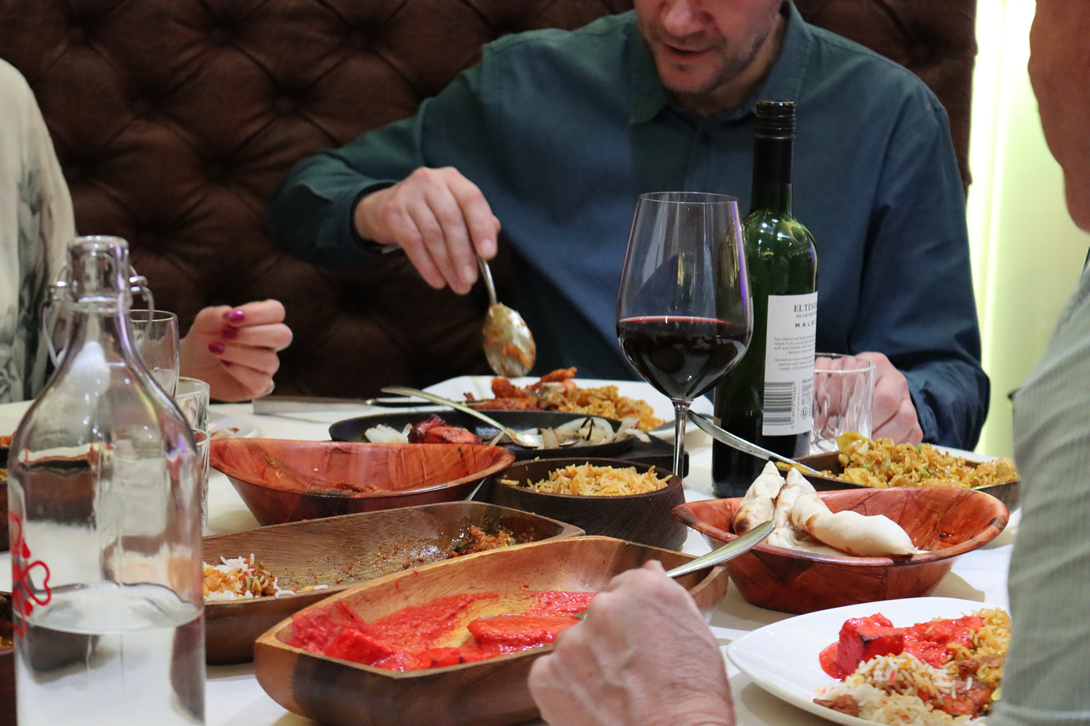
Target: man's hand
439 218
235 349
893 415
642 657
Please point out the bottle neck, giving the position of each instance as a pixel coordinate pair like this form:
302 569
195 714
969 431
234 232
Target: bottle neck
772 175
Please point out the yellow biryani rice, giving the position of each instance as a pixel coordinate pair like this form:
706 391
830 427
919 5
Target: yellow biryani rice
882 463
596 481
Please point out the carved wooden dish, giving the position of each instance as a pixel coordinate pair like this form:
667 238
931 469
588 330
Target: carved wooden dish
5 442
7 664
644 518
339 552
286 481
343 693
945 521
1008 492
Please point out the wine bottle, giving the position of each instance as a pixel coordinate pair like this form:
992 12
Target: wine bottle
768 399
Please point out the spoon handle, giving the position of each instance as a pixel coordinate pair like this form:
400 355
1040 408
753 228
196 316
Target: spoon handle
486 273
727 552
718 556
511 433
723 436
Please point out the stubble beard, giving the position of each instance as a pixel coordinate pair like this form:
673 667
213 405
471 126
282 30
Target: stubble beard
731 66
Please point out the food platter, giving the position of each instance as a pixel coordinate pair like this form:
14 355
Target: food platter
1007 492
335 553
486 692
481 388
782 658
354 429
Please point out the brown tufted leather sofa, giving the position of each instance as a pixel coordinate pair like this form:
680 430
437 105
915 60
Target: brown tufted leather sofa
175 119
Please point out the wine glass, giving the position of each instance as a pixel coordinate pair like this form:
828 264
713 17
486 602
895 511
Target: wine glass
684 313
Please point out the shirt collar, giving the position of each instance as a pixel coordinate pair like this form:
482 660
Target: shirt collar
782 83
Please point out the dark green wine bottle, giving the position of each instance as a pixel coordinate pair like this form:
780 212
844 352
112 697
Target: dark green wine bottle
768 397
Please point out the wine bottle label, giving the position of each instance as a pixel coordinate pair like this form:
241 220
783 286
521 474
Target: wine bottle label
789 364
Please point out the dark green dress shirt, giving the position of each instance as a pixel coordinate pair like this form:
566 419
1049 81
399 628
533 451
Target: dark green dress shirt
563 130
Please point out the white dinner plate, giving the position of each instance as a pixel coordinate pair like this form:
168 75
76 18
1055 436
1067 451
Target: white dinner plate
481 387
782 658
230 427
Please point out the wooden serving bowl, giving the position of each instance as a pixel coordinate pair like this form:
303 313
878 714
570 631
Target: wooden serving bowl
286 481
644 518
7 664
339 552
1008 492
5 444
946 521
494 691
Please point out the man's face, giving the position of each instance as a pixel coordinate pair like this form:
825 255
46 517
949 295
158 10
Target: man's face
702 46
1059 66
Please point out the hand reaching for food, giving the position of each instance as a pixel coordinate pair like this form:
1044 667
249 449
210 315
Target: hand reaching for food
235 349
441 220
642 643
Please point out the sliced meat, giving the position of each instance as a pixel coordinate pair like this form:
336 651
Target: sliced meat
864 638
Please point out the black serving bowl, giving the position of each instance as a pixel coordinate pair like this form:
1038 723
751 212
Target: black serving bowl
353 429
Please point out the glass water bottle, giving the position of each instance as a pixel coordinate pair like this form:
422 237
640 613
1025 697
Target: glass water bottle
105 524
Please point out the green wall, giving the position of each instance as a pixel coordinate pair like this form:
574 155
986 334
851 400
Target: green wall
1027 254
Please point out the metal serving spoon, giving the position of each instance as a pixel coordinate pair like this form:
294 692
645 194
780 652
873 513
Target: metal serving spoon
524 440
508 345
728 551
723 436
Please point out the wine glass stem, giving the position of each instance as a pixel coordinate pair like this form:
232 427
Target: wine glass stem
681 413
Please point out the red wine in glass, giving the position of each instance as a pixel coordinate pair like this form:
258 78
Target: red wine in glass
684 311
682 357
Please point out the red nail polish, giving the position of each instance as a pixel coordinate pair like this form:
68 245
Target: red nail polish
236 316
217 347
229 333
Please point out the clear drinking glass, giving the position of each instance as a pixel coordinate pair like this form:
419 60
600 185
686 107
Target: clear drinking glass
684 313
193 397
157 341
843 399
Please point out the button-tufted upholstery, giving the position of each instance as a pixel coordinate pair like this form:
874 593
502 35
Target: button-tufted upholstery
175 119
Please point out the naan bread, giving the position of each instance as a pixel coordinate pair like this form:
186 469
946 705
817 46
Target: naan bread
850 532
759 502
785 534
793 488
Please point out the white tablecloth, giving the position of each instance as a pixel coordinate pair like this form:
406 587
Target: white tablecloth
234 697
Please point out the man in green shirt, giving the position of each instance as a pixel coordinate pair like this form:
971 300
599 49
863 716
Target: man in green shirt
555 134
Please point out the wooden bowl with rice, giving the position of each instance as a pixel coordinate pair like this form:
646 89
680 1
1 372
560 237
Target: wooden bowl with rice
616 501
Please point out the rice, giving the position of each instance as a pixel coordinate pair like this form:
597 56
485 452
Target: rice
597 481
887 690
882 463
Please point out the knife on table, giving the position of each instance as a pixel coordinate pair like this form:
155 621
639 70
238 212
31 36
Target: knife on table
272 405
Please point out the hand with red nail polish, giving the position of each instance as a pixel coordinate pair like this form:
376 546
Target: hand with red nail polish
235 349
